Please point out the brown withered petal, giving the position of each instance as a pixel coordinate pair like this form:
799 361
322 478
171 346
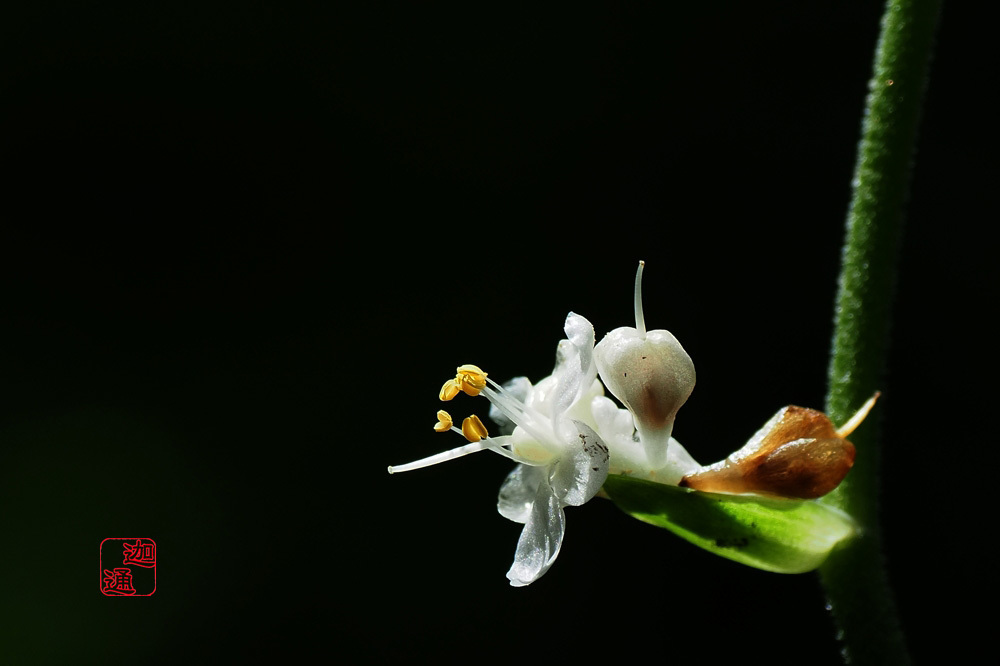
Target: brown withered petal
799 456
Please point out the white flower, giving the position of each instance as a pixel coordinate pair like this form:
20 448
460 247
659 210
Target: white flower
563 461
652 375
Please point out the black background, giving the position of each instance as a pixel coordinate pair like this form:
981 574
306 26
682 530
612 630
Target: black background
245 243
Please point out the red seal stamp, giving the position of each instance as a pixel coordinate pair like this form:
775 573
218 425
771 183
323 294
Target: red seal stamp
128 567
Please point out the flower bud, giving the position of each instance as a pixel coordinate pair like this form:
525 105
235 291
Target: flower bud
652 376
650 373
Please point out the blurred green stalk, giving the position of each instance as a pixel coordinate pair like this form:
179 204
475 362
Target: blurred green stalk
854 578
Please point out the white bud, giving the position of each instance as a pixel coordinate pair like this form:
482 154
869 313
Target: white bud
651 374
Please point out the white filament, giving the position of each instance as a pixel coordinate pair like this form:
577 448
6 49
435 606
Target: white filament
516 411
640 321
474 447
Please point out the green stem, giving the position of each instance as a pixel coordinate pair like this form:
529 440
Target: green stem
854 577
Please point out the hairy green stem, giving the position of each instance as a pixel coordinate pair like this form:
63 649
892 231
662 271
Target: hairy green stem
854 578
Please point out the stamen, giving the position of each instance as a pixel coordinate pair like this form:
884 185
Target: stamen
511 407
640 321
471 379
515 410
442 457
450 389
444 421
855 421
510 455
473 429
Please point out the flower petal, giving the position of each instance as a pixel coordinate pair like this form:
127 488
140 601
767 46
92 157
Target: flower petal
618 430
540 539
518 492
575 368
583 467
680 460
580 332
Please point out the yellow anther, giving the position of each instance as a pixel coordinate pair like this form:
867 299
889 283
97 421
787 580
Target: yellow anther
444 421
472 374
471 379
473 429
451 388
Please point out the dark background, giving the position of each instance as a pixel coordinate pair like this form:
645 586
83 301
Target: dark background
245 243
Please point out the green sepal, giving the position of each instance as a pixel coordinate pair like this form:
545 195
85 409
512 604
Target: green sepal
780 535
